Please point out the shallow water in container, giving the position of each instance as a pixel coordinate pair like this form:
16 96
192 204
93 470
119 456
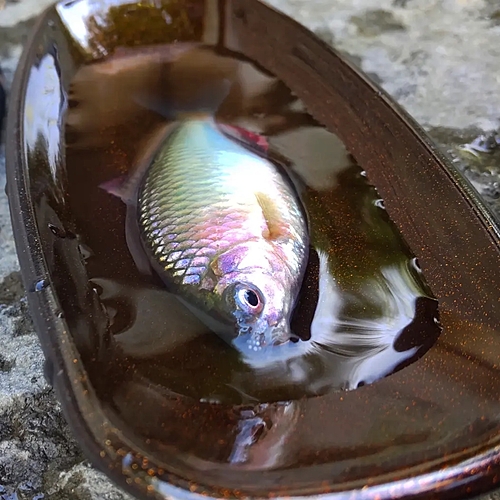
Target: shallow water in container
364 310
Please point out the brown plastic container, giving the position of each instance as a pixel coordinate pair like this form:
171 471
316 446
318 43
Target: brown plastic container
431 430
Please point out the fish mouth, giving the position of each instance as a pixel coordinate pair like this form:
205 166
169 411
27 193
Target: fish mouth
257 340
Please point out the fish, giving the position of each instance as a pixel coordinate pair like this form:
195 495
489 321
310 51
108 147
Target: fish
223 227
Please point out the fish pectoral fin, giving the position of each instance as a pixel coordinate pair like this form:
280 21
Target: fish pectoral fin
275 228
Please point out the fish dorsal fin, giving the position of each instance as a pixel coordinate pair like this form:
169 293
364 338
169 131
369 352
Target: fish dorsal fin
276 228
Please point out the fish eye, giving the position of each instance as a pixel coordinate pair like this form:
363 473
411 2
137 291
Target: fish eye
249 299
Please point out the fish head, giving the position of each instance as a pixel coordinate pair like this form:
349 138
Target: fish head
260 306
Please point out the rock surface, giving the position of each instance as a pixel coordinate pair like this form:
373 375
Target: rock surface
439 58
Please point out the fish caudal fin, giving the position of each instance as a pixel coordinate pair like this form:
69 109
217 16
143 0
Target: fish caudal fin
195 83
202 104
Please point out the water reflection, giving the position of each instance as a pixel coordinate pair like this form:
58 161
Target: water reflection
364 309
343 352
43 111
262 433
365 347
95 26
251 437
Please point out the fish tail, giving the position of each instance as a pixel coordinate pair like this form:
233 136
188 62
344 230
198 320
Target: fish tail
202 104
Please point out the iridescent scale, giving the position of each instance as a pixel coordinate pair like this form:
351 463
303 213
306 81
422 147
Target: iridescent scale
198 200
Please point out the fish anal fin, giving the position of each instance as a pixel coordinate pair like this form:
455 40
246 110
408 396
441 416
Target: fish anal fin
275 228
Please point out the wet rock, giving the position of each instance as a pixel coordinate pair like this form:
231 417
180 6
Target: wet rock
34 439
82 483
452 82
375 22
15 35
11 288
477 155
6 365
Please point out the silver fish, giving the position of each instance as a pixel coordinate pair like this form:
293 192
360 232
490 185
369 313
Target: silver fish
225 230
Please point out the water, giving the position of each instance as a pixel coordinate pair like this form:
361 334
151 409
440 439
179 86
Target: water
364 309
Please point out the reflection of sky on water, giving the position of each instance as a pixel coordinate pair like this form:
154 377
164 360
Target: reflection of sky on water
43 110
366 345
343 351
346 351
75 14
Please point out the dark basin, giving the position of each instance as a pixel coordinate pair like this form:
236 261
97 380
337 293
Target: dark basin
430 430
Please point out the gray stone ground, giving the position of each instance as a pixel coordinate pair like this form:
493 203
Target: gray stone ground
439 58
